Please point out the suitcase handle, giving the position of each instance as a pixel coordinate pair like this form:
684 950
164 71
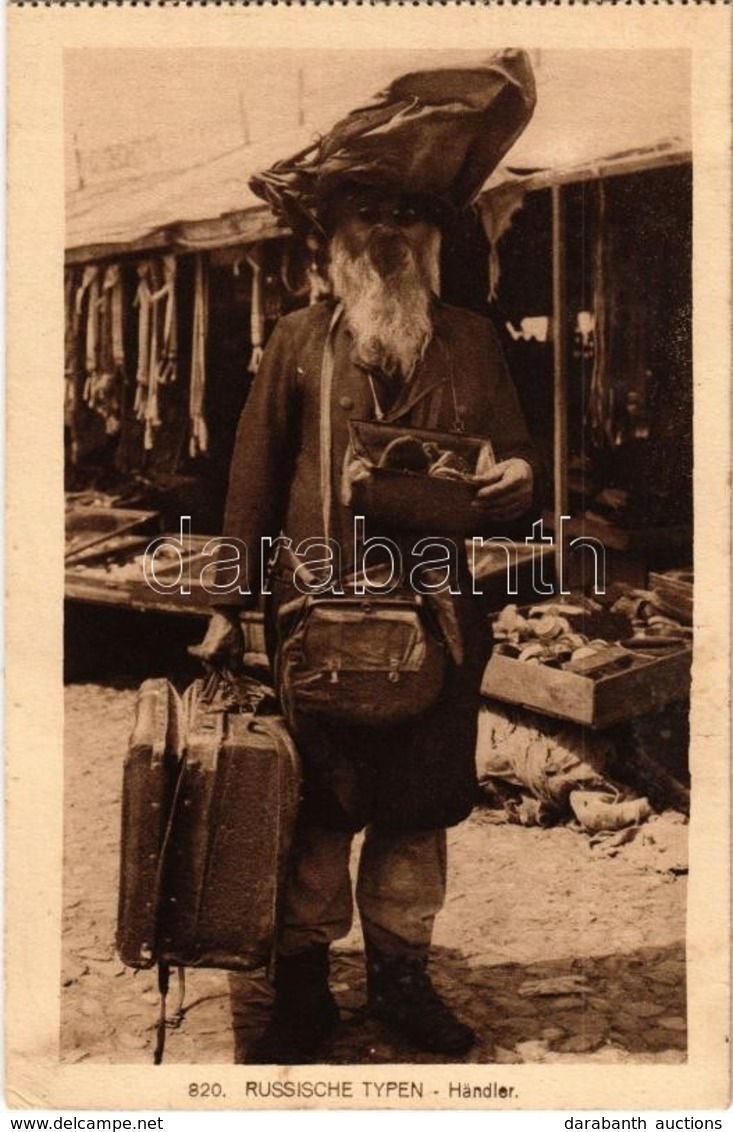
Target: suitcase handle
247 694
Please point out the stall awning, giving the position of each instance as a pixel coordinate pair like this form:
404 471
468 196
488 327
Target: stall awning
208 205
674 151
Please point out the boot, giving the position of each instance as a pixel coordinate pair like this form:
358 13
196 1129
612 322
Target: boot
401 994
304 1014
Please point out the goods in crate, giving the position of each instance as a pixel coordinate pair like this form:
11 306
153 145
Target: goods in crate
551 635
554 658
673 593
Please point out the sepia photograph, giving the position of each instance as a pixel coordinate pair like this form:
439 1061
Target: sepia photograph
381 531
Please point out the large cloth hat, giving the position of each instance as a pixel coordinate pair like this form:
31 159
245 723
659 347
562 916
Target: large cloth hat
437 134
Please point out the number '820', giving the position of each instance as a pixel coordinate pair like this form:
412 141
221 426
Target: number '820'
205 1089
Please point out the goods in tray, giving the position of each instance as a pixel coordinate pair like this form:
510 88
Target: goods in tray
121 559
111 571
416 479
546 634
112 551
174 552
90 498
88 526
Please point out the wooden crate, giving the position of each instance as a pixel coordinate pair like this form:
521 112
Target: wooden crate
644 688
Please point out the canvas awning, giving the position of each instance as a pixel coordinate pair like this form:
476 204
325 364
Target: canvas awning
206 206
673 151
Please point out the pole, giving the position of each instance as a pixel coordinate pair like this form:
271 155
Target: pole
79 167
560 378
301 97
244 119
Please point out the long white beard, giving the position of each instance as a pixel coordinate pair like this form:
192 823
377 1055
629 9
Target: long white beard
386 292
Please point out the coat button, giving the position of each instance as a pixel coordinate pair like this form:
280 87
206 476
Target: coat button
346 403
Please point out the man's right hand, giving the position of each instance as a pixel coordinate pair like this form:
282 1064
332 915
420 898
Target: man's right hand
223 645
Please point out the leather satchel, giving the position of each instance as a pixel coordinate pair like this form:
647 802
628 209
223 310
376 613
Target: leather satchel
362 660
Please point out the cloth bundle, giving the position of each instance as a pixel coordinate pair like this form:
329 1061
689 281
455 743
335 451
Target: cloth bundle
561 772
550 767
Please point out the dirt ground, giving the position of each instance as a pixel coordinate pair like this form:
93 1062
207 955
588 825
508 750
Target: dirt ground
525 905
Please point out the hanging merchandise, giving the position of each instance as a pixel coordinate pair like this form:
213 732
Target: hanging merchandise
497 210
199 439
157 339
79 349
142 302
92 328
273 300
257 318
169 356
71 345
97 298
631 295
600 400
112 288
105 348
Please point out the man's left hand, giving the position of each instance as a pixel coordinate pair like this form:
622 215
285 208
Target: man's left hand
505 492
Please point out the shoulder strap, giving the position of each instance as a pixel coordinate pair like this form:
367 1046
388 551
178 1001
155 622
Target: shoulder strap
325 438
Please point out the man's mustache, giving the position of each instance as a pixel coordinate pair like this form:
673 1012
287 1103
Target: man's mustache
388 251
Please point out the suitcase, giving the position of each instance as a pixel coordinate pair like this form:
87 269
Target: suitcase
237 800
211 790
151 771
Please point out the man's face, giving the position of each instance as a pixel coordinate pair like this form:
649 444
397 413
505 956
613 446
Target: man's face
385 266
385 224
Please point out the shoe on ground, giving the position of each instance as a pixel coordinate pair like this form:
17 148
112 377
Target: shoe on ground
401 994
305 1013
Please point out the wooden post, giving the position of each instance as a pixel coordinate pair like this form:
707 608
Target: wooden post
560 377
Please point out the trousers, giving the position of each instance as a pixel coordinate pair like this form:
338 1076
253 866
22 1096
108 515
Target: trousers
400 888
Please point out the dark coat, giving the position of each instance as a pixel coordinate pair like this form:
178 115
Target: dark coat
419 775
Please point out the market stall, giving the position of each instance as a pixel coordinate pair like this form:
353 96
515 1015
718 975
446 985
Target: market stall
591 278
172 284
